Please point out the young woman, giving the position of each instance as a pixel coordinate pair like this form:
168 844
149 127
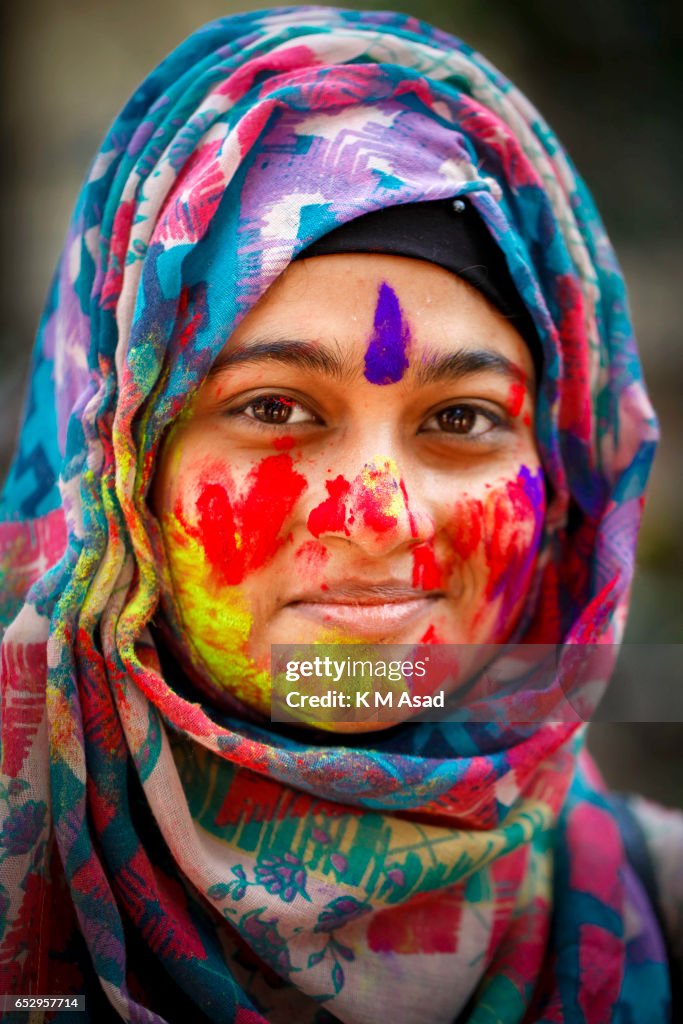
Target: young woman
337 351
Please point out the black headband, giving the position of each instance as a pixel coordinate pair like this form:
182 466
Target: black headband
448 232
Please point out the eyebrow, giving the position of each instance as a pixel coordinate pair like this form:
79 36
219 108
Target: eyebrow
336 364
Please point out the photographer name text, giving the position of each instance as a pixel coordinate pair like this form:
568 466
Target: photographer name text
367 699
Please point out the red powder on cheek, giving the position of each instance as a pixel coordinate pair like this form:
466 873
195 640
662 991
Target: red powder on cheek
241 534
284 443
330 515
514 521
505 530
427 574
500 540
466 527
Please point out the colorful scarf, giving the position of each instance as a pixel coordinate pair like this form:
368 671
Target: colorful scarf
176 863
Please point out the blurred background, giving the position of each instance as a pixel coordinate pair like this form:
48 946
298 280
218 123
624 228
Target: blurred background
607 75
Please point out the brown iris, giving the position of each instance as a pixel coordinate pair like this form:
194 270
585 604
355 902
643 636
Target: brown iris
457 419
272 408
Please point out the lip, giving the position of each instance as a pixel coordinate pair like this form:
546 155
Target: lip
367 611
354 590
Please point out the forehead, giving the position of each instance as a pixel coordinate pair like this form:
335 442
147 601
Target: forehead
336 302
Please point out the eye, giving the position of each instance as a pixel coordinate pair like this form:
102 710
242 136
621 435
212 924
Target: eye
463 419
275 410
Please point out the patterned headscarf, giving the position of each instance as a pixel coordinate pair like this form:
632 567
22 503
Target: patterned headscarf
174 861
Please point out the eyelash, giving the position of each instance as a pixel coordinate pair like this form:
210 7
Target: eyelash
496 422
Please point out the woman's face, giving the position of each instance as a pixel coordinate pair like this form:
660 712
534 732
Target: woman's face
360 465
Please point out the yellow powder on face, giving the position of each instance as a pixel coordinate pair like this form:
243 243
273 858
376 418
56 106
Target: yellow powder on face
216 619
216 616
378 492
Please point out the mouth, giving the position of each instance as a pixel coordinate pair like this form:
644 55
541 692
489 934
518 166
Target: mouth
369 612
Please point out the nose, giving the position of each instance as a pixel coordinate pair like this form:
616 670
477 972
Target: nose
373 510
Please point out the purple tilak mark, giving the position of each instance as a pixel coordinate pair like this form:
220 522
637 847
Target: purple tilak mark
385 358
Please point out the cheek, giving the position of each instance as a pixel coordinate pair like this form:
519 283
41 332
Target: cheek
240 529
216 534
513 522
497 536
429 572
